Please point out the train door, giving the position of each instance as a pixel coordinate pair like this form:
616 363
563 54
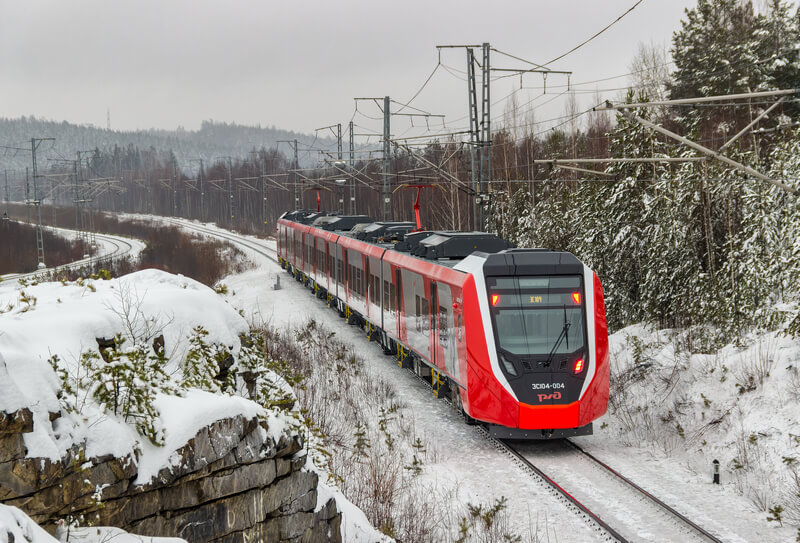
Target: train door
340 267
434 318
447 342
398 289
346 277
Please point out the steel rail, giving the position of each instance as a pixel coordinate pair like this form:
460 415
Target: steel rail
645 493
508 449
235 238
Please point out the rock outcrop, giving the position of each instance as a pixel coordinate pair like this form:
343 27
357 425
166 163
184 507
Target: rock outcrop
232 482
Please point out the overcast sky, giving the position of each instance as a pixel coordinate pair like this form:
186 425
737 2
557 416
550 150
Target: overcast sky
299 64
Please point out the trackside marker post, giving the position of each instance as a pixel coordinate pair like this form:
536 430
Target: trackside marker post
716 471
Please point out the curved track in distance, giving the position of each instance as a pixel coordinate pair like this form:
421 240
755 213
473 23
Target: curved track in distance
237 239
121 247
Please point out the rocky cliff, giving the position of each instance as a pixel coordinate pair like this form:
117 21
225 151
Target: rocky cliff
232 482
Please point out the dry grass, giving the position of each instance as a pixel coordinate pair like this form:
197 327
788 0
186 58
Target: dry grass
367 440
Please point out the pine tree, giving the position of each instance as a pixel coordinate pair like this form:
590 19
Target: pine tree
207 366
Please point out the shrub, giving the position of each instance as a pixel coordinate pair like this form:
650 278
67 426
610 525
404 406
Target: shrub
125 382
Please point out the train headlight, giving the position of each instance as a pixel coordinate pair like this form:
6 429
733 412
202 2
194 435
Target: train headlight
578 366
509 366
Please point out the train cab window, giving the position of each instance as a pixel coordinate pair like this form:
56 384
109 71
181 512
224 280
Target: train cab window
426 323
418 314
534 316
459 327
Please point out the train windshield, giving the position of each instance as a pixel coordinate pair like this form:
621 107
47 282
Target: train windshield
538 315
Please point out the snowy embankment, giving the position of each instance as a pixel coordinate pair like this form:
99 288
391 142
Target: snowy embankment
17 527
678 411
50 334
65 320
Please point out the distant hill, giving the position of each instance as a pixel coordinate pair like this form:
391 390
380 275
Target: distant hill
214 139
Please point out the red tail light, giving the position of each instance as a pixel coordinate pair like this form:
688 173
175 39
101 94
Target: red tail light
578 366
576 296
495 299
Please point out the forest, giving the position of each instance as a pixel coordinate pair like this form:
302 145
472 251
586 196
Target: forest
691 242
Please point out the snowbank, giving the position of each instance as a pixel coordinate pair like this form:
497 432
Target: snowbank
47 319
19 525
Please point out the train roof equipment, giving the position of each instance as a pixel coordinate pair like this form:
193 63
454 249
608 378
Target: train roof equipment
457 245
339 223
376 230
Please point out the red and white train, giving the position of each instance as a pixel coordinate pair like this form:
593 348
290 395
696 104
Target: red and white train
516 337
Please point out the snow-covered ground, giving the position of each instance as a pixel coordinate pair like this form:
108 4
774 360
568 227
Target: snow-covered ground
468 469
41 320
677 413
22 529
38 321
47 319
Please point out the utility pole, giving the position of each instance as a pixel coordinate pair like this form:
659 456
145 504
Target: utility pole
53 192
230 190
481 131
473 139
387 149
297 201
37 203
339 158
149 186
27 193
76 201
174 189
485 178
6 193
295 166
202 192
264 192
352 174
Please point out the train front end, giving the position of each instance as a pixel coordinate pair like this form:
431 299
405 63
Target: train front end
544 372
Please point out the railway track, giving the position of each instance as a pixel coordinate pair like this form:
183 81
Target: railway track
619 509
121 247
237 239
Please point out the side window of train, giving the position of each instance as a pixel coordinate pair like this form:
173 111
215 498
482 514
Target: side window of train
442 325
460 327
426 315
418 314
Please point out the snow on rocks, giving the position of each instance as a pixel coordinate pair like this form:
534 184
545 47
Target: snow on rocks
48 319
55 461
17 527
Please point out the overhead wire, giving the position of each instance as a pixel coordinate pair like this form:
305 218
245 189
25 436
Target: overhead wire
615 21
